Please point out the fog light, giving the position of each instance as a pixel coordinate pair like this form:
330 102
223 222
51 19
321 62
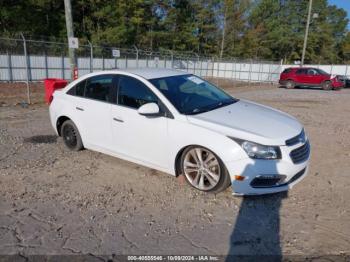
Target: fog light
268 180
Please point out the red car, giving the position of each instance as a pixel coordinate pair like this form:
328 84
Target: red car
310 77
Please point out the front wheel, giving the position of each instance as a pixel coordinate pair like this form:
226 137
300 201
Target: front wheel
71 136
204 170
327 85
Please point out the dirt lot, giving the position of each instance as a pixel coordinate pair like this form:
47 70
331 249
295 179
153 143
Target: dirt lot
53 201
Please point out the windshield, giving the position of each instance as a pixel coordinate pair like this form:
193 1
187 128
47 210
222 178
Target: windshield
192 95
321 72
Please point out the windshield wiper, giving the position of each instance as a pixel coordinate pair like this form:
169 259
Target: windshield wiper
197 111
222 104
212 107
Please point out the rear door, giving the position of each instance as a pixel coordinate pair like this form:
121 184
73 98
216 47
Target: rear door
301 76
94 110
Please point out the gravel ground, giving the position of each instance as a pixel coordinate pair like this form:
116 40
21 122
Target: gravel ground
53 201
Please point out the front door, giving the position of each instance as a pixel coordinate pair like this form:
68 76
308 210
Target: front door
134 135
314 78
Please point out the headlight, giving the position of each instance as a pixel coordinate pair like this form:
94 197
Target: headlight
258 151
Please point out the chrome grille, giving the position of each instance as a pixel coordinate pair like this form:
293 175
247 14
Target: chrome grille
301 153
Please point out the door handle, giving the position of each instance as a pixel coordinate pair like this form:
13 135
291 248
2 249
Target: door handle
79 108
118 120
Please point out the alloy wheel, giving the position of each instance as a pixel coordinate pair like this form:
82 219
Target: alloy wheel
201 168
289 85
327 85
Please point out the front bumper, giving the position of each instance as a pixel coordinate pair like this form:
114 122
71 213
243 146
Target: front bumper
254 168
337 84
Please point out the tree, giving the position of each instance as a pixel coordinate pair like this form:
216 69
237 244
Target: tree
234 24
206 25
282 28
266 29
40 18
344 48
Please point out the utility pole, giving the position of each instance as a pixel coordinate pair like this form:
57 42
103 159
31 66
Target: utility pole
70 34
306 33
223 31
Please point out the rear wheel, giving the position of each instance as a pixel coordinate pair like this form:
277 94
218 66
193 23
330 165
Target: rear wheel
71 136
327 85
204 170
290 84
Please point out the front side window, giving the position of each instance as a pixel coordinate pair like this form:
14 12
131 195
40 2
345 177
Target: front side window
133 93
192 95
312 72
99 87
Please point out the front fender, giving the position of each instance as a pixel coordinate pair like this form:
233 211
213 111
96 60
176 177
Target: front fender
183 134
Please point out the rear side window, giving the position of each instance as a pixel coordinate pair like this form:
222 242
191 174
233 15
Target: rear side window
287 71
133 93
78 89
99 88
301 71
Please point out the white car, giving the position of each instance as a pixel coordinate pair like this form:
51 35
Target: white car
178 123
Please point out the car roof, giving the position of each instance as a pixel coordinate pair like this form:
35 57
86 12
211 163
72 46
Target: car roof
296 68
151 73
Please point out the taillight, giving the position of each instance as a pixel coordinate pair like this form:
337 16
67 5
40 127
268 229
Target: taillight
52 84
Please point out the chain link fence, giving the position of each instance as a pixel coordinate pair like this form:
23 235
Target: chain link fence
30 60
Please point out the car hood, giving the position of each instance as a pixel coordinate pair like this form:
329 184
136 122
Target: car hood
250 121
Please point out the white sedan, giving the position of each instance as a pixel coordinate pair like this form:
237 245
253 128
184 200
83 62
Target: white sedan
179 123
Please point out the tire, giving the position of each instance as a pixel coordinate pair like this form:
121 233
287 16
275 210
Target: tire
71 136
327 85
204 170
290 84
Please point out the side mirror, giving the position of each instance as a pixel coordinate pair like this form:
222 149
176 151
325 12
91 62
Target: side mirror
149 109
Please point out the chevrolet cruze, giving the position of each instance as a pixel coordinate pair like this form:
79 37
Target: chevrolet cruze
181 124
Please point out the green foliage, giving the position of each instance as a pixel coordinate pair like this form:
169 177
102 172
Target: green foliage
280 28
33 17
266 29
